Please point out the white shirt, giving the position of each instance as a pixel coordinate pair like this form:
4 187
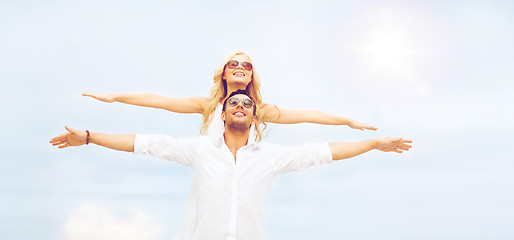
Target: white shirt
228 198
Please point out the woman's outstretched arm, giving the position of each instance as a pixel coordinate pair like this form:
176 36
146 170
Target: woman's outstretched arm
273 114
178 105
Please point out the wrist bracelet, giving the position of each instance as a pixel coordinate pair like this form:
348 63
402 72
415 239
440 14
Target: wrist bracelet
87 138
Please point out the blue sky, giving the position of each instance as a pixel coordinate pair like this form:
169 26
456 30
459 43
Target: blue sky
437 72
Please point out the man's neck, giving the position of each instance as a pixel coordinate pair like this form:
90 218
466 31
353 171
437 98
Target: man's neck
235 139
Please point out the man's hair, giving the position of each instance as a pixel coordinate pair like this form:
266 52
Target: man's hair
239 91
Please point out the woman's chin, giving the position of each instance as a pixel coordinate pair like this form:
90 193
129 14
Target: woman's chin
238 82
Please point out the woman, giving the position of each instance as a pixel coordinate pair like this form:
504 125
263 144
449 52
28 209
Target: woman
235 73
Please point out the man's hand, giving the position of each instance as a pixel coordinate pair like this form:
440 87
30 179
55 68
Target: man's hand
73 137
102 97
390 144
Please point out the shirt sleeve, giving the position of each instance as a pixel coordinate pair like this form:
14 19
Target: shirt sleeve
182 151
289 159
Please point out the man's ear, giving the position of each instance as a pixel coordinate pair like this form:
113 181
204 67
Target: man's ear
254 119
223 116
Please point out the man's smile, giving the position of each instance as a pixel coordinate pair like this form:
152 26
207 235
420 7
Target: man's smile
239 113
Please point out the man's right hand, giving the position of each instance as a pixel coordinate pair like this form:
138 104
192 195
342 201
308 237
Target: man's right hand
73 137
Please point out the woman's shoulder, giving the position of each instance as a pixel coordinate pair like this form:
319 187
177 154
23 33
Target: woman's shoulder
267 106
267 110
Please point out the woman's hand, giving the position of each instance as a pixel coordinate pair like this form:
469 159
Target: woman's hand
102 97
361 126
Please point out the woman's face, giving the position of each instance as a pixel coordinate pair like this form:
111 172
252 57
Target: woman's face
238 75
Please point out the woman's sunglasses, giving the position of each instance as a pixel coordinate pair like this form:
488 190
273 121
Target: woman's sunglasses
233 101
234 63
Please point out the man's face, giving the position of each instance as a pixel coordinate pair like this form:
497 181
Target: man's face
238 116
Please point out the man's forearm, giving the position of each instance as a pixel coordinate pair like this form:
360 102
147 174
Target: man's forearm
116 142
343 150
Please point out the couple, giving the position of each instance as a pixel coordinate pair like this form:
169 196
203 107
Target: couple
232 172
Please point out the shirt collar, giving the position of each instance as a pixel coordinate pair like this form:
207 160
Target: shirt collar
220 139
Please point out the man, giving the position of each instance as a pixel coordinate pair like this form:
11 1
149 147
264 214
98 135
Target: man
232 173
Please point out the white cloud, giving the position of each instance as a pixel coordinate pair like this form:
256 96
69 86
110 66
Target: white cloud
93 221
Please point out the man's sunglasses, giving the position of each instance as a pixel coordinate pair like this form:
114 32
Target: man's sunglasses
234 63
233 101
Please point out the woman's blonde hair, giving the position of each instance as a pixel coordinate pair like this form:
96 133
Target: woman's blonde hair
219 91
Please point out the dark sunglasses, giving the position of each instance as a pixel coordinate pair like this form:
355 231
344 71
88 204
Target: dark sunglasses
233 101
234 63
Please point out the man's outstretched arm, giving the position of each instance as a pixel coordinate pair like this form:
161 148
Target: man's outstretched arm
343 150
75 137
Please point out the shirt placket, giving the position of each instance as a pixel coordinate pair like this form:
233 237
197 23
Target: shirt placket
234 198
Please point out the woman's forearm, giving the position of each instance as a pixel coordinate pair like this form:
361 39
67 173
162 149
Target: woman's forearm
144 100
319 117
178 105
287 116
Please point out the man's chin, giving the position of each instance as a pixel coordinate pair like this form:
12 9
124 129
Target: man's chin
238 126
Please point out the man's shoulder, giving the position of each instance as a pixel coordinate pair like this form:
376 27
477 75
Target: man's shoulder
270 145
154 138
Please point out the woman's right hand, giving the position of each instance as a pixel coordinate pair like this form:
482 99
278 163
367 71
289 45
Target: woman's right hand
102 97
